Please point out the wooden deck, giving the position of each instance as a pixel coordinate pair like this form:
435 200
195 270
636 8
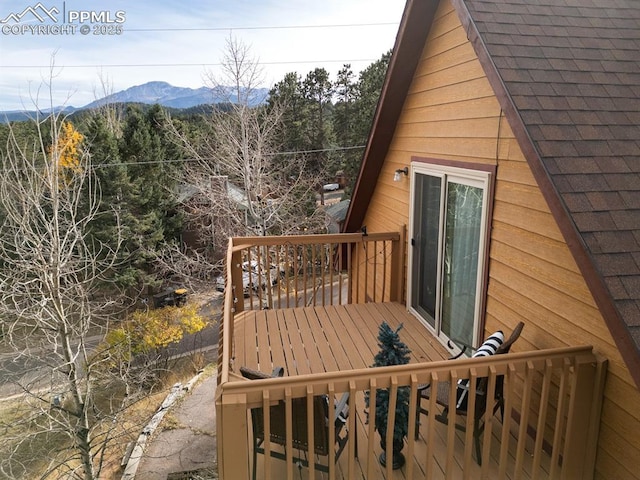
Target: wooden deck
327 347
330 338
311 340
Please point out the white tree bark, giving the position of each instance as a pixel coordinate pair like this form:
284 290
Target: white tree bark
53 301
237 183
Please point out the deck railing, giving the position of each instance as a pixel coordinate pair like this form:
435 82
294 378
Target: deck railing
291 271
551 393
552 396
314 269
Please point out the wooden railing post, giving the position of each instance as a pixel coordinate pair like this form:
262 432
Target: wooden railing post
226 333
579 417
233 436
397 270
235 274
602 366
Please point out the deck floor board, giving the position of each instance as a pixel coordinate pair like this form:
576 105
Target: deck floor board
320 339
317 339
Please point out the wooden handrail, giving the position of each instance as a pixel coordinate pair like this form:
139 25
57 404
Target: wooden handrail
242 242
235 289
362 377
580 380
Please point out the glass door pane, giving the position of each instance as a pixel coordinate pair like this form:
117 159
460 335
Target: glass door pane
425 244
460 260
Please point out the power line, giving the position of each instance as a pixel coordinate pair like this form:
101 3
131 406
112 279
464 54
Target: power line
261 27
190 160
217 64
204 64
333 149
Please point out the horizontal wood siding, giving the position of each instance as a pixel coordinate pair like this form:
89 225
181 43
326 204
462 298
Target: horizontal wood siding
451 113
534 278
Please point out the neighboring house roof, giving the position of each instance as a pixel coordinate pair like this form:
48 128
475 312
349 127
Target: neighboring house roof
337 213
237 195
567 75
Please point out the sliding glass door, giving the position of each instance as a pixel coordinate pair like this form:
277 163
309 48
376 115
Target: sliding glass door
448 218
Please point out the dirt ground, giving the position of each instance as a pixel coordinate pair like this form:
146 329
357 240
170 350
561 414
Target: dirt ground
186 440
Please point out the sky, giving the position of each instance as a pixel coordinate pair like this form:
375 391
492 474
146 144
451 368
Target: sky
72 52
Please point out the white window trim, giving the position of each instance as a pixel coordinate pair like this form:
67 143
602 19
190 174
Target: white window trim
478 178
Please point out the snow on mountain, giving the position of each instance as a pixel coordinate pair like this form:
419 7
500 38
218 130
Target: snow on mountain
167 95
151 93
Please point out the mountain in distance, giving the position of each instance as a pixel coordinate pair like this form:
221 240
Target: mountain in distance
151 93
167 95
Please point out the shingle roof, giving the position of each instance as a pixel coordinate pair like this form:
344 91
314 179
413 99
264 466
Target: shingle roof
567 75
571 69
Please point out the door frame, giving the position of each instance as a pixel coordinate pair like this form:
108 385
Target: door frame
485 175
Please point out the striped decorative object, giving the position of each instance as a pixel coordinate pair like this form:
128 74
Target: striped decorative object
488 347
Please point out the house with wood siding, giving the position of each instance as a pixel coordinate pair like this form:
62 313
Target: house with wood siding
500 186
512 131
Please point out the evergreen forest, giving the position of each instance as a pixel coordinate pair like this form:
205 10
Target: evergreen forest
168 178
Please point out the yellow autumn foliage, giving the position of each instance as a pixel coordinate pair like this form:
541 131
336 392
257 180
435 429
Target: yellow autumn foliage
146 331
67 150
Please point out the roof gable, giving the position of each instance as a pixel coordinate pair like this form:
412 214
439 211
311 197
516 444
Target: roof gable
567 74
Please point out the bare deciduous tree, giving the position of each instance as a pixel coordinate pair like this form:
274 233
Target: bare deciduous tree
241 183
111 112
55 299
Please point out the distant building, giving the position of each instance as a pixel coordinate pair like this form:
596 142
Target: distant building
336 214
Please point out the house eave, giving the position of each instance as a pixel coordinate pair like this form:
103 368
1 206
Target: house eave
402 66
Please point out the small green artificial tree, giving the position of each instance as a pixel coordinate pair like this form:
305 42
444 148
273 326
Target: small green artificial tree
392 352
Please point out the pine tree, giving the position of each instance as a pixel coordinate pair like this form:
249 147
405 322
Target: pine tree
318 92
287 94
150 197
345 125
113 181
392 352
367 93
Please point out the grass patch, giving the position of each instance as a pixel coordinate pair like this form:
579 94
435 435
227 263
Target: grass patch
32 453
170 422
23 439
